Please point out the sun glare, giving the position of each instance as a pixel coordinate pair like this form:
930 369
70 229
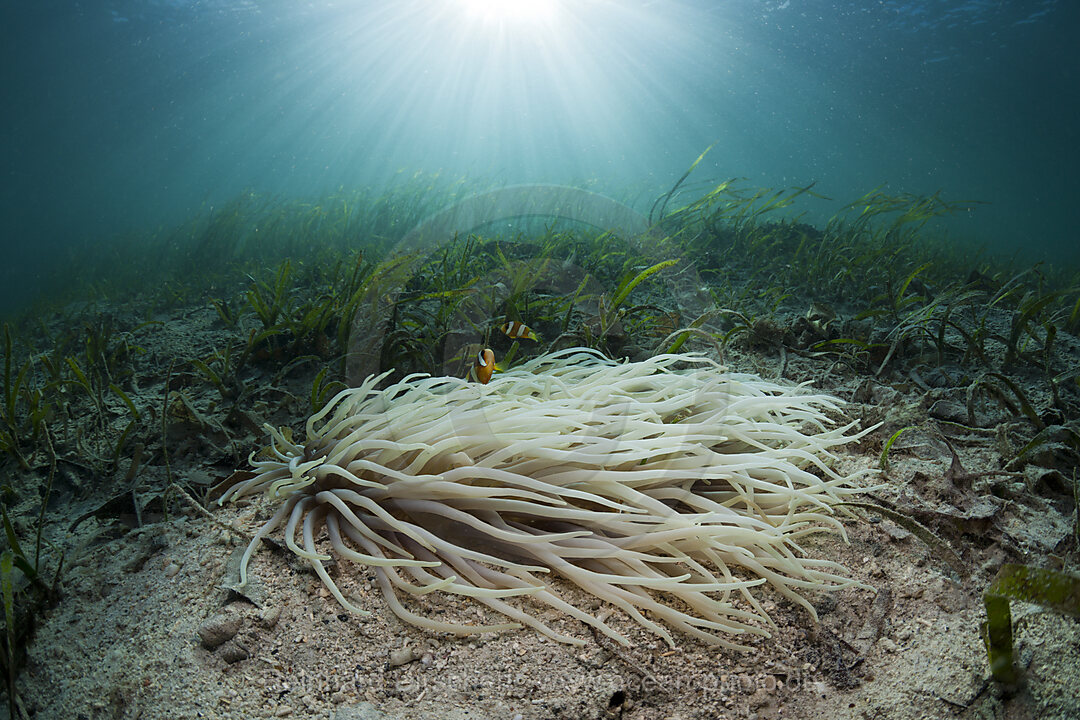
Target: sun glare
512 11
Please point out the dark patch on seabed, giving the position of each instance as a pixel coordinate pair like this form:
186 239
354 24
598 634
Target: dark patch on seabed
136 392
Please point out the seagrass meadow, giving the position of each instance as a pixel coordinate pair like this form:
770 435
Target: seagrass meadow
539 360
750 464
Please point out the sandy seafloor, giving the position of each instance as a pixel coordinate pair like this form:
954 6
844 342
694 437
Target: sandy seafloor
128 638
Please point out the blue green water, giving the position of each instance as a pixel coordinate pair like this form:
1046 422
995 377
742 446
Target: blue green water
126 116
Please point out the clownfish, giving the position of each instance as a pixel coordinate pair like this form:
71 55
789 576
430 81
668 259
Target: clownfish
484 366
515 330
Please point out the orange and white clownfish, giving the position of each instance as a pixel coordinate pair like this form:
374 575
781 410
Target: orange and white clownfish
484 366
515 330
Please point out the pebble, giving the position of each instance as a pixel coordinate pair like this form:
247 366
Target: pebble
401 656
233 652
218 629
269 616
171 569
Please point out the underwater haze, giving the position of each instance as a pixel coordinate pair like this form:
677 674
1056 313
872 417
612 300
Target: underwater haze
124 117
570 358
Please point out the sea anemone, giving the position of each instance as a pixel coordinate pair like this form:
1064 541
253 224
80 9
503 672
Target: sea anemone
668 488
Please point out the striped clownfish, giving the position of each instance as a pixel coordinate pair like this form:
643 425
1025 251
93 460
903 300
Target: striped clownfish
484 366
515 330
